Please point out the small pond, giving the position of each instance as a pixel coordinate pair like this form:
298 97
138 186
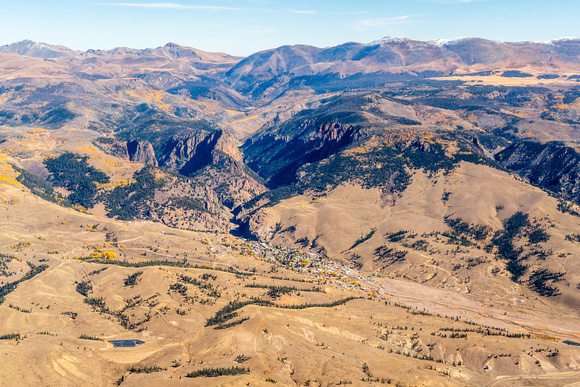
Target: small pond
126 343
571 343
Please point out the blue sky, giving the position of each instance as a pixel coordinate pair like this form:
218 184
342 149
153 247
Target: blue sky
241 27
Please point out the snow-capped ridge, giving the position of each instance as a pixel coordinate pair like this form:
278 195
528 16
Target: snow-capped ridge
388 40
36 49
559 40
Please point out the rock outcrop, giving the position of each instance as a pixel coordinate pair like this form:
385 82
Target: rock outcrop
212 157
142 152
189 151
551 166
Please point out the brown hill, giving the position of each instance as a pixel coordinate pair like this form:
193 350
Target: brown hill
79 305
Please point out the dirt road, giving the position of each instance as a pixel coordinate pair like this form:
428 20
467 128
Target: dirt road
452 304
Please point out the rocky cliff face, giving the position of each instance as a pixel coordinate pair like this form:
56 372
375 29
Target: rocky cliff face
212 157
278 152
142 152
277 157
551 166
232 180
188 151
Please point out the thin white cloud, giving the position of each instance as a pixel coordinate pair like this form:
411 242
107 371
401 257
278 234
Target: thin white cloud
352 13
302 12
171 6
368 24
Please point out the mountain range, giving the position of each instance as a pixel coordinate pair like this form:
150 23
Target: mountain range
268 73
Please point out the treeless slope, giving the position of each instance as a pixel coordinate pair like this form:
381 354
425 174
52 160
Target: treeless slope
348 212
353 223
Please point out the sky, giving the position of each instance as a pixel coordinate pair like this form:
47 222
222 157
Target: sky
242 27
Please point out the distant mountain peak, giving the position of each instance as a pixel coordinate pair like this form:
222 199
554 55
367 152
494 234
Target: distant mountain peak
26 42
172 45
31 48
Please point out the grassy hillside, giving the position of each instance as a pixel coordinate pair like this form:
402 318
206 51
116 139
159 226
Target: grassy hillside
206 306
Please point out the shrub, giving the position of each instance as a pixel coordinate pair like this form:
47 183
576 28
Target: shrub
221 371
